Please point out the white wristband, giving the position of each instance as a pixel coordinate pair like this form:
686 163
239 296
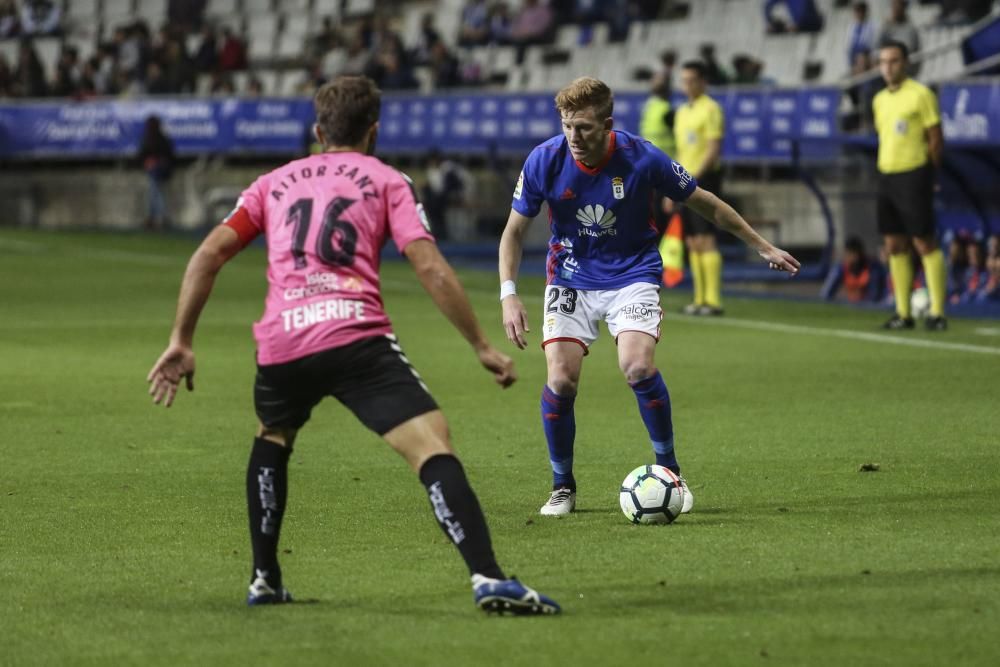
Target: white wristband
507 288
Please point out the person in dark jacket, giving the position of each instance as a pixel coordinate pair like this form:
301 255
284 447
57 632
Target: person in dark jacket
156 153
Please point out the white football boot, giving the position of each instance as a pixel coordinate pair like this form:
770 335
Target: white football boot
560 503
688 497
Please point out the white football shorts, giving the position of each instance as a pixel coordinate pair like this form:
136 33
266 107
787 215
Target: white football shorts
570 314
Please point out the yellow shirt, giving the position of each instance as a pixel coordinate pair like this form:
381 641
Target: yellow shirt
653 125
901 120
695 124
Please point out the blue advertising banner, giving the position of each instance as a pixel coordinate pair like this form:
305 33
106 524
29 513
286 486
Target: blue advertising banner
761 124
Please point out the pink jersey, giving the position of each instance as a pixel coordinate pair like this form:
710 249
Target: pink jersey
326 219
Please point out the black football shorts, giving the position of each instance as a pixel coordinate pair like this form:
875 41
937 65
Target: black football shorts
371 377
906 203
694 224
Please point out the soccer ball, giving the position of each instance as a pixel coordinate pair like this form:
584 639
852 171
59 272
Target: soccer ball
651 494
920 302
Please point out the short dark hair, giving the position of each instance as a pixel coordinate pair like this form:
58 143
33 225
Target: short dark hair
854 244
346 108
698 66
895 44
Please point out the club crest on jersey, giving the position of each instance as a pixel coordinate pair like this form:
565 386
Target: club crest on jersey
902 126
596 215
618 187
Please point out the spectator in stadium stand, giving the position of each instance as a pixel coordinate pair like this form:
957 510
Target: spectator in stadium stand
975 275
358 57
326 39
186 15
991 290
714 74
255 88
156 82
67 74
178 70
898 28
746 70
87 87
8 19
445 71
156 153
802 16
475 28
29 77
447 186
858 277
392 72
426 40
233 55
207 56
533 24
861 38
963 11
222 84
6 77
40 17
500 24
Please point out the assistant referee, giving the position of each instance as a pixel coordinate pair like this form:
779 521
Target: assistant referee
698 130
910 146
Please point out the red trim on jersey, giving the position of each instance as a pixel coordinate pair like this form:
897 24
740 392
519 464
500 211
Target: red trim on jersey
240 223
604 162
562 339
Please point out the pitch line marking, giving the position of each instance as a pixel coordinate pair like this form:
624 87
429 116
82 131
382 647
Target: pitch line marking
849 334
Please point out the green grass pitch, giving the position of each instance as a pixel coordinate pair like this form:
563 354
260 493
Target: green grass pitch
122 525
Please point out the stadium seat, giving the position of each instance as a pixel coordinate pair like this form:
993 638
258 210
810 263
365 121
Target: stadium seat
81 9
117 8
298 24
260 48
291 46
221 8
48 51
321 8
153 12
257 7
269 81
354 8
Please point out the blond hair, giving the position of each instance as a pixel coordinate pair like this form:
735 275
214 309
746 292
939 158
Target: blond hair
586 93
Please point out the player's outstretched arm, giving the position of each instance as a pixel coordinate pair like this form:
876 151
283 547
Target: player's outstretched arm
515 317
722 215
177 361
440 281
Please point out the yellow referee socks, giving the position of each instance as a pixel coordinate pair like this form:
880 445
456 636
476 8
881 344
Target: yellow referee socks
711 265
901 269
937 281
697 277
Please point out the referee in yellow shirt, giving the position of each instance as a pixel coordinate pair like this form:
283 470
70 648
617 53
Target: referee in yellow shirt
698 130
910 144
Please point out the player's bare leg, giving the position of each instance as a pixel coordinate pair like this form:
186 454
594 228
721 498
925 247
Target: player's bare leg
267 493
564 361
424 442
636 359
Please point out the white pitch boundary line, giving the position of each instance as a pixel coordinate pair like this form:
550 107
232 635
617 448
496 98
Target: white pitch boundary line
760 325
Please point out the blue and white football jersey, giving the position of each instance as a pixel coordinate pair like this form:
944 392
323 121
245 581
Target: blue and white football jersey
603 222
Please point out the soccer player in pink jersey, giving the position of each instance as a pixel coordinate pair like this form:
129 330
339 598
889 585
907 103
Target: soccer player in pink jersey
325 332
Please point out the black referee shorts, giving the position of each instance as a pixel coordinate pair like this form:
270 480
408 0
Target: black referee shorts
694 224
371 377
906 203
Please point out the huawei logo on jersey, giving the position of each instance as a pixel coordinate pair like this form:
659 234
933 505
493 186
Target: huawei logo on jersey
596 215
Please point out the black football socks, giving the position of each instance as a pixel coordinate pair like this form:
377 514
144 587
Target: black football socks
457 510
267 490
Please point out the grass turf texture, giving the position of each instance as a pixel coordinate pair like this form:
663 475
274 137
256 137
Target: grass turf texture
123 525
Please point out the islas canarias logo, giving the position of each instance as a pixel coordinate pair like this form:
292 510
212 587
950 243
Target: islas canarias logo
596 221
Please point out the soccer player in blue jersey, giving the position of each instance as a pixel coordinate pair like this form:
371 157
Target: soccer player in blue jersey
601 186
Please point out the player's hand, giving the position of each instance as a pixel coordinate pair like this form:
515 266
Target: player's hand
499 364
515 320
779 260
667 204
176 362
